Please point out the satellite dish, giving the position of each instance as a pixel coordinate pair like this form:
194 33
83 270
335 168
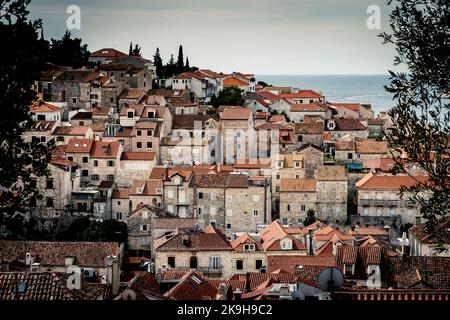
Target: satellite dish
298 295
330 279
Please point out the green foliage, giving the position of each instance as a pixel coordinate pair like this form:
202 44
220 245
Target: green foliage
157 61
21 63
264 84
229 96
180 60
310 217
421 116
68 51
136 52
85 229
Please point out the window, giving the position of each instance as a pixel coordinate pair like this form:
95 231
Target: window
110 177
199 211
277 188
112 100
213 223
85 173
95 163
171 261
297 176
70 158
350 156
249 247
302 208
130 114
42 139
139 145
49 203
297 164
258 264
214 263
288 207
150 114
138 132
74 100
239 264
392 211
49 184
285 221
366 211
110 163
228 226
41 117
95 177
200 195
149 133
118 203
144 227
286 244
278 177
299 138
149 145
255 212
85 160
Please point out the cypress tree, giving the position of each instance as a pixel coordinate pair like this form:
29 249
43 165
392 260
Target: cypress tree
180 61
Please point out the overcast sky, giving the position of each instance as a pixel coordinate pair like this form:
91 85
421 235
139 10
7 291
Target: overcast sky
258 36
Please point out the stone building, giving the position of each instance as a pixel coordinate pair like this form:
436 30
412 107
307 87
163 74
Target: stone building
309 132
62 134
332 191
104 161
421 243
236 124
379 199
312 158
56 189
140 235
146 192
341 127
297 196
207 251
41 132
66 88
121 204
134 77
285 166
135 166
359 151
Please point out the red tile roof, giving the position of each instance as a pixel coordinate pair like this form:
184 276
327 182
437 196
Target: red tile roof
388 182
302 94
105 149
137 156
272 235
293 263
236 113
121 194
232 81
108 53
79 145
44 107
192 287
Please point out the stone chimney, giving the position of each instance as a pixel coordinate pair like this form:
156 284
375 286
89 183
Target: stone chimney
113 273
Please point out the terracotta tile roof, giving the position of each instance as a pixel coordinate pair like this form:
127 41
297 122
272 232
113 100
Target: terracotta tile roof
44 107
272 235
344 145
131 93
108 53
272 125
298 185
268 95
174 223
331 173
53 253
45 125
70 131
277 117
145 286
82 115
79 145
376 122
115 67
233 113
441 232
328 233
237 181
105 149
121 194
352 106
188 121
436 269
292 263
302 94
348 124
208 239
146 187
192 287
387 182
309 128
232 81
252 163
361 257
238 243
368 231
419 294
211 169
307 107
181 102
371 146
137 156
231 284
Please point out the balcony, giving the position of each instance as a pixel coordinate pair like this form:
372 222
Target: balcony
379 203
365 202
392 203
207 271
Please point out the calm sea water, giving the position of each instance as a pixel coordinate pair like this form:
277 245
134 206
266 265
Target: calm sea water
340 88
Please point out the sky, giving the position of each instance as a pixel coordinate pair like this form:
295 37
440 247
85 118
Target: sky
250 36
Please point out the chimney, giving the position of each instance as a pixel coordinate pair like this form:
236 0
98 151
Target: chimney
309 242
113 273
29 259
223 291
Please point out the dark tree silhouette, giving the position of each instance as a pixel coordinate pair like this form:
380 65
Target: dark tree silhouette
68 51
20 160
421 116
229 96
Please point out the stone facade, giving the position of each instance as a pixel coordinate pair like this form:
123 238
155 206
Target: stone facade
332 192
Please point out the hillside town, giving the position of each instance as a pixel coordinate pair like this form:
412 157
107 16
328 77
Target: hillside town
262 200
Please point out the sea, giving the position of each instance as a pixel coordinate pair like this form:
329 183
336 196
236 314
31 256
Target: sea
366 89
